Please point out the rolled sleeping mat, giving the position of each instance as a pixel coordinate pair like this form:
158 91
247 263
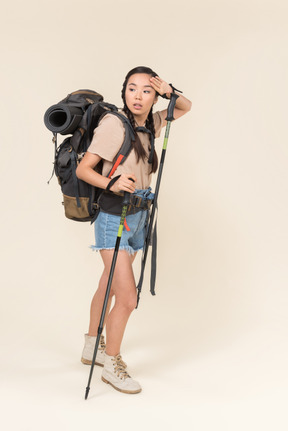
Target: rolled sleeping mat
62 119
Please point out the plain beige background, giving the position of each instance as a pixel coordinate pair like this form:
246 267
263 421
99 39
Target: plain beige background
210 349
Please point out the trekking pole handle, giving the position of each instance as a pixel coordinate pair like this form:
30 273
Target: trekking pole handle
126 199
171 106
127 195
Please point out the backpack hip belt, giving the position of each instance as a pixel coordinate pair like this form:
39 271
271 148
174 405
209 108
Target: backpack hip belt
112 204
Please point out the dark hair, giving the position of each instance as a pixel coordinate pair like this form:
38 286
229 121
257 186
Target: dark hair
138 147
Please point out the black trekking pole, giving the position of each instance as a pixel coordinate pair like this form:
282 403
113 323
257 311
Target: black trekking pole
126 202
169 119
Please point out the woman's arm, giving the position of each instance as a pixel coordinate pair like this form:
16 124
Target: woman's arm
85 171
182 106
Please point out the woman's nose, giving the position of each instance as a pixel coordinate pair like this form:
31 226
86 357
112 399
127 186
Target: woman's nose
138 95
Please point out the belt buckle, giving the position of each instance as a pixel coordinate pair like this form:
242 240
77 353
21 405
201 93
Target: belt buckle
137 201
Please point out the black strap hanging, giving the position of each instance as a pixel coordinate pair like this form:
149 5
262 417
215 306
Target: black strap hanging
152 139
73 158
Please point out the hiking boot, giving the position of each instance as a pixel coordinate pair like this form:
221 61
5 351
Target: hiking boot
88 350
116 375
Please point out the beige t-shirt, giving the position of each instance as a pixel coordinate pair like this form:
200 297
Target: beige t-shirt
107 140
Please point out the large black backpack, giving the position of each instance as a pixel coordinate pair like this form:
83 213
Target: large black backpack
78 115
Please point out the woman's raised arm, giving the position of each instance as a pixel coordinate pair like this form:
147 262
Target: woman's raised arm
183 105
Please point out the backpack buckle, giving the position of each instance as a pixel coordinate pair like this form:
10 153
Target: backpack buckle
80 156
136 201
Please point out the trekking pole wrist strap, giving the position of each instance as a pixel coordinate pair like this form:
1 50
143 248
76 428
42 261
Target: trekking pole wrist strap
173 91
113 181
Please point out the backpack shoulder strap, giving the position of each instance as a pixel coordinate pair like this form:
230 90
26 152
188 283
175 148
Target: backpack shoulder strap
126 147
124 151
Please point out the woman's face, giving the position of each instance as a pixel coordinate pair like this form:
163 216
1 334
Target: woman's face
140 95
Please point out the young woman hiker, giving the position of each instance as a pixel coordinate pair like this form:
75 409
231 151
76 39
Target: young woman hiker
140 91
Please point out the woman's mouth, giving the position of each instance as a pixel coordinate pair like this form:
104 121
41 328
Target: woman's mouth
137 106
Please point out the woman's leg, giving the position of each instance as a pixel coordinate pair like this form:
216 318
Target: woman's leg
123 271
97 304
124 289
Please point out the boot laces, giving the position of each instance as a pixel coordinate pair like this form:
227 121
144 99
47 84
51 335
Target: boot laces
102 345
120 367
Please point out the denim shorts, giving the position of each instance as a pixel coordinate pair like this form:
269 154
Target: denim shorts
106 228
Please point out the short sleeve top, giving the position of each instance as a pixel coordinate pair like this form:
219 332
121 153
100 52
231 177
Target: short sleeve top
107 140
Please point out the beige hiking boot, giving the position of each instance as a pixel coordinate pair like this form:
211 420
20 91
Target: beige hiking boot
116 375
88 350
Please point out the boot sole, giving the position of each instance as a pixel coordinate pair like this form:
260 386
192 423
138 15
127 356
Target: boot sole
120 390
87 362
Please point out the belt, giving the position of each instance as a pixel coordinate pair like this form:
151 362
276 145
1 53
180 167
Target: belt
111 203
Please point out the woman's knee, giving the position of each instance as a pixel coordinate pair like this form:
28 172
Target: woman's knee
132 303
127 302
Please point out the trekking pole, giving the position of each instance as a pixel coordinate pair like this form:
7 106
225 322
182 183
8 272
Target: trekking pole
169 119
126 202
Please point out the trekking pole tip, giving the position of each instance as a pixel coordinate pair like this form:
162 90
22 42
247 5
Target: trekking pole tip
87 392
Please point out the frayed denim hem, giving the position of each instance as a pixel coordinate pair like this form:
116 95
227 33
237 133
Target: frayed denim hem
129 249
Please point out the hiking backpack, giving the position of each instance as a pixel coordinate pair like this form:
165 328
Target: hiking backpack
78 115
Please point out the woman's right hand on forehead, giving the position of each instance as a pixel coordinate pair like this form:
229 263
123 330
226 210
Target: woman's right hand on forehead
126 183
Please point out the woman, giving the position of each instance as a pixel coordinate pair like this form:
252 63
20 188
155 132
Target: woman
140 92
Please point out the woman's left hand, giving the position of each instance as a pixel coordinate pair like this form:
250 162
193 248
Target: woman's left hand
160 86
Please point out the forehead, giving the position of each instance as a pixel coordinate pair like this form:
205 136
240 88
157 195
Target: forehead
139 79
